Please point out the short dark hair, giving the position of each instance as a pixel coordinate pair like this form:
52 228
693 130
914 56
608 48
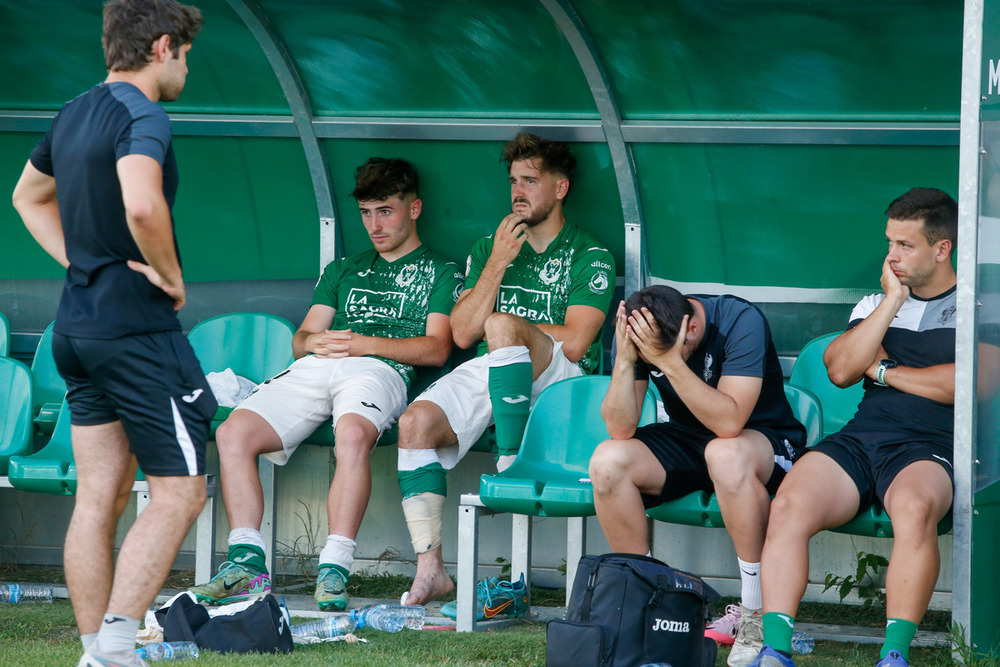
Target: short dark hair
668 307
935 207
131 27
380 178
554 155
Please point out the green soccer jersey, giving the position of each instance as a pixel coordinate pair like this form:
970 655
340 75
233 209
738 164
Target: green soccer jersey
574 270
374 297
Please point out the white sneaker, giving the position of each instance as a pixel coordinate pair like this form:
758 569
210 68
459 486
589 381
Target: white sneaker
749 638
723 629
117 659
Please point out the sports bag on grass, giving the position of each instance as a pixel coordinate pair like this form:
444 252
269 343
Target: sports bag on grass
627 610
262 627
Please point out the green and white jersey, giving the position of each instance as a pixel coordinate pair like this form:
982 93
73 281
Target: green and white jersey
574 270
374 297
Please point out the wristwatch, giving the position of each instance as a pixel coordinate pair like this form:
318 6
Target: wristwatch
884 365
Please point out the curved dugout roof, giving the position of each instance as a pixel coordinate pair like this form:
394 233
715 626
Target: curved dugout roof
733 146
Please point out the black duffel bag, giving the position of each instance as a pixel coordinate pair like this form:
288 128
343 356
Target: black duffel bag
627 610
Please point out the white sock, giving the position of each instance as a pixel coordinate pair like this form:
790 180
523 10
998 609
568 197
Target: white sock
339 550
750 593
117 634
87 640
246 536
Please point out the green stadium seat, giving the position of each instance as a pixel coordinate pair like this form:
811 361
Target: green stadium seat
701 508
256 346
48 387
548 478
15 404
809 372
4 336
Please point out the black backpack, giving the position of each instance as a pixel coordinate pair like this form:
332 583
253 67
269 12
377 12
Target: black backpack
627 610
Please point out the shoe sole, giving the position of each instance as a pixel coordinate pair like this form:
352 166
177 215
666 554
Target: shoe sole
719 638
206 599
336 605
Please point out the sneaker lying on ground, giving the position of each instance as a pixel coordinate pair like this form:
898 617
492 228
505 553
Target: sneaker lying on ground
495 598
893 659
118 659
233 583
331 590
723 629
768 657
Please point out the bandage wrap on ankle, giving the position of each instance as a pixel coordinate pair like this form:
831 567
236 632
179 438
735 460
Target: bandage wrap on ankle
423 518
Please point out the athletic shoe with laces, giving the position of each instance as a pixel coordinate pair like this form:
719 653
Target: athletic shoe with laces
768 657
331 590
233 583
893 659
117 659
723 629
495 598
749 638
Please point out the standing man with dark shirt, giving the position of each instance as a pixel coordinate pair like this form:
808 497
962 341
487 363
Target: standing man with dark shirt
136 392
731 429
898 448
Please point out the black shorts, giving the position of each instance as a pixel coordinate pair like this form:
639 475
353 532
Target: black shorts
681 452
873 458
153 383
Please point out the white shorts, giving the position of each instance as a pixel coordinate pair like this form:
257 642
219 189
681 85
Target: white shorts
296 401
464 395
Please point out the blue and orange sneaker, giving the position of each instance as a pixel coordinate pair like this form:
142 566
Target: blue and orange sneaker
233 583
893 659
768 657
495 598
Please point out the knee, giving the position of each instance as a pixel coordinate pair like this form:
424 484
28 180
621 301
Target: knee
500 330
414 425
914 512
786 519
234 438
608 466
727 463
353 444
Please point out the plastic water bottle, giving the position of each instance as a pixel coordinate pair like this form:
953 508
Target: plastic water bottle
331 626
657 664
167 651
15 593
389 617
802 643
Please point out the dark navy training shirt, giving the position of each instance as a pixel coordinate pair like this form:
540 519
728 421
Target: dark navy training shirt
102 297
737 341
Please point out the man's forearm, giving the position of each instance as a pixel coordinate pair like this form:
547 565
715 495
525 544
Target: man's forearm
934 382
43 223
468 317
850 354
415 351
619 410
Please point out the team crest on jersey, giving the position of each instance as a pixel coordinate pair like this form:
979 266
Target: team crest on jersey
406 275
367 305
947 315
707 373
599 283
550 272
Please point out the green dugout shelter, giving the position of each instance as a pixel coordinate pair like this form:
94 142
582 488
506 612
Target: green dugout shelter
739 146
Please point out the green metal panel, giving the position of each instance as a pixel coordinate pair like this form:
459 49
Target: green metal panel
786 216
750 59
245 209
466 194
489 59
227 70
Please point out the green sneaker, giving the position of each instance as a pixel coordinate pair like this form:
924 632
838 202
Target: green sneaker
495 598
331 590
233 583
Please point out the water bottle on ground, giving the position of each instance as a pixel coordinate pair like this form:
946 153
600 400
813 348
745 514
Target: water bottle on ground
331 626
15 593
657 664
389 617
155 651
802 643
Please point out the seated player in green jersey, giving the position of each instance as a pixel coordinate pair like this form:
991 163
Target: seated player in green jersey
374 316
537 291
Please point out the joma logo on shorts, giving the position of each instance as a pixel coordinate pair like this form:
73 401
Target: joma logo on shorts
662 624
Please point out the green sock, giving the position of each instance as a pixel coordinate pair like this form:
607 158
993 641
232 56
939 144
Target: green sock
249 556
510 394
431 478
898 635
778 629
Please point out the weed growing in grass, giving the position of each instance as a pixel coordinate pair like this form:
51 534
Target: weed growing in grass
305 548
864 580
